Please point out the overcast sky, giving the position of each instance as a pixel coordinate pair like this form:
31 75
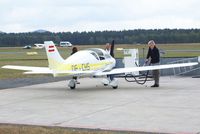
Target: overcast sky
93 15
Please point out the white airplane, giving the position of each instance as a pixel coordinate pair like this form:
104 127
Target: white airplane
39 46
92 62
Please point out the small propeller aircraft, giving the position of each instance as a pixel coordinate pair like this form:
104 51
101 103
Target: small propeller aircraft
93 62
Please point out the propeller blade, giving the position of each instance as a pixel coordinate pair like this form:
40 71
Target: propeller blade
112 48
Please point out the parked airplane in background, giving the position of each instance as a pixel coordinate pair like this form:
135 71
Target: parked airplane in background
27 47
91 62
39 46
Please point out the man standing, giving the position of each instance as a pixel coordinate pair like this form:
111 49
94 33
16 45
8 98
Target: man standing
154 57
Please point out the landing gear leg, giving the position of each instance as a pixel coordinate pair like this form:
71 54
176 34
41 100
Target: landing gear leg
113 82
110 81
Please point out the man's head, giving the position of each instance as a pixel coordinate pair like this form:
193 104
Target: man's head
107 46
74 49
151 44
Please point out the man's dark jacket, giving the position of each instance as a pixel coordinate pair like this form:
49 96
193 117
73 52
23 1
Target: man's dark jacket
154 54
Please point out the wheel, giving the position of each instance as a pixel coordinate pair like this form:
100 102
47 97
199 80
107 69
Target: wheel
105 82
114 83
72 88
72 84
115 87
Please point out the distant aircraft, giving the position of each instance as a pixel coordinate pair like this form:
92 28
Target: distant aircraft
39 46
27 47
91 62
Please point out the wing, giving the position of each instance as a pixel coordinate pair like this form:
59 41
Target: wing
45 70
144 68
29 69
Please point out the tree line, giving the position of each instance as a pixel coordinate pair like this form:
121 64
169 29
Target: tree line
138 36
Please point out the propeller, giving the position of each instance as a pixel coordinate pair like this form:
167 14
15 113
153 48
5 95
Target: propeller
112 48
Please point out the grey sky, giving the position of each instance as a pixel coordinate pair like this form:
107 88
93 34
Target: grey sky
92 15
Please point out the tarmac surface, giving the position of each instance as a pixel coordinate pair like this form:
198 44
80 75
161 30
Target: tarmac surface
174 107
21 82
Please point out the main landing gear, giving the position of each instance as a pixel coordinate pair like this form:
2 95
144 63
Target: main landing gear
112 82
109 81
72 83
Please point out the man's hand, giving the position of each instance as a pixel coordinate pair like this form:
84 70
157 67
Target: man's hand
147 61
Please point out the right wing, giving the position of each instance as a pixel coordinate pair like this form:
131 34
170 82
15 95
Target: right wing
144 68
45 70
30 70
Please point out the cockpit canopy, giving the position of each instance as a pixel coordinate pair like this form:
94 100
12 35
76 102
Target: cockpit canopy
99 54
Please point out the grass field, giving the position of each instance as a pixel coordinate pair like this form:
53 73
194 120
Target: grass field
28 129
18 56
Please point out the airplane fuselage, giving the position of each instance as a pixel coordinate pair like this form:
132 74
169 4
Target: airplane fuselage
88 60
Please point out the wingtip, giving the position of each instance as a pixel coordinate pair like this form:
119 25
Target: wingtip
195 63
6 66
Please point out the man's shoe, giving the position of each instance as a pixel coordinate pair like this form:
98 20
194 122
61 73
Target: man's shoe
155 85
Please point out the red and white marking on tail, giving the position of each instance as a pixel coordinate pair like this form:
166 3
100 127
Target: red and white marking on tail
53 56
51 48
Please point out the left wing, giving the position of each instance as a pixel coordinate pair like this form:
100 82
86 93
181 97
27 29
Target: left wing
144 68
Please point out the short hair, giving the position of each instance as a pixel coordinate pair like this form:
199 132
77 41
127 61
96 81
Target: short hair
151 42
107 45
74 49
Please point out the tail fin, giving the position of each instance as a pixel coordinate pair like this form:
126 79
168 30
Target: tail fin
112 48
53 55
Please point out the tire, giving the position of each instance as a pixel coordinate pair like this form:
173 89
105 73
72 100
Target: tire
115 87
72 84
72 88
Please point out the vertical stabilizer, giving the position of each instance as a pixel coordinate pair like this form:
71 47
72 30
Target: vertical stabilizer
53 55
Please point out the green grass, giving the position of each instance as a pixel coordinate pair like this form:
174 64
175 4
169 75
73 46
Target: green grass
165 47
29 129
18 56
